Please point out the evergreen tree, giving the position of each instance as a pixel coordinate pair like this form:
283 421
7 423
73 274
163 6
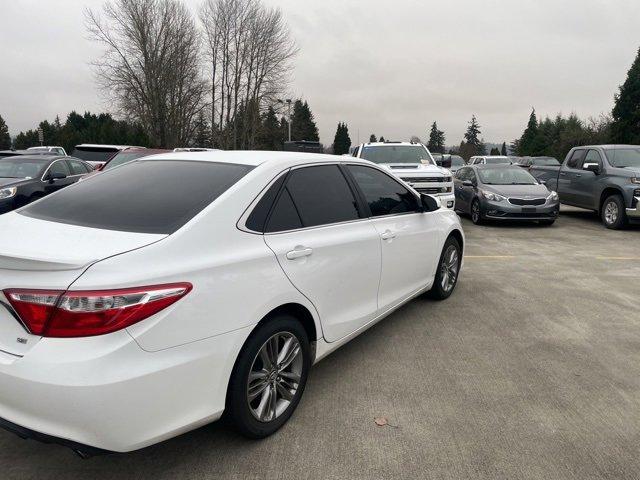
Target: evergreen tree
342 141
270 137
382 139
503 151
472 138
625 127
5 138
529 144
495 151
202 132
372 138
436 139
303 125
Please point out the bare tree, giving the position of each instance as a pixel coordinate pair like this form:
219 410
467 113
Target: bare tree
249 51
151 67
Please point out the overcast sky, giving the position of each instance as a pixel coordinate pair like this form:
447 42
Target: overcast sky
385 67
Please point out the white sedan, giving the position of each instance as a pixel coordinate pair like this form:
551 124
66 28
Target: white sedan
148 300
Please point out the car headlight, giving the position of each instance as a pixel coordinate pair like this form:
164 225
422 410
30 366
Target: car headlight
7 192
494 197
635 179
553 196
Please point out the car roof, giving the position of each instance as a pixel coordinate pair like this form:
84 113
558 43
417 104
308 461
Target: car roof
35 156
255 158
99 145
609 146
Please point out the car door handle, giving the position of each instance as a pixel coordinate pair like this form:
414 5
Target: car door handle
299 252
387 235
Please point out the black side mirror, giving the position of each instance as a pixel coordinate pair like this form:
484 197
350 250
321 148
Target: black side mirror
429 203
446 161
592 167
467 183
52 177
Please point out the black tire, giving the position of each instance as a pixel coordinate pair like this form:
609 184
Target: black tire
612 213
438 291
476 212
238 410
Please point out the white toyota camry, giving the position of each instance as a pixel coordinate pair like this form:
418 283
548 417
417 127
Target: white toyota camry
152 298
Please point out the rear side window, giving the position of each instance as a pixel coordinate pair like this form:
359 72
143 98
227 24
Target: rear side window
77 168
156 196
322 195
285 215
258 218
384 195
576 159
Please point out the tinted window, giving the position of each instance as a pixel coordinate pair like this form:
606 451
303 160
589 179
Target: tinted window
592 157
124 157
285 215
59 168
77 168
322 196
576 159
384 195
157 196
258 217
90 154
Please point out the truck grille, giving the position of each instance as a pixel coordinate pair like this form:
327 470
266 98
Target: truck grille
430 191
527 201
423 179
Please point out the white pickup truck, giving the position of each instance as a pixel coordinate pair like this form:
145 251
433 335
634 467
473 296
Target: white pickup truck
413 164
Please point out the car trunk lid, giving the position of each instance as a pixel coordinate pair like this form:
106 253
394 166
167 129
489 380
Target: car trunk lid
38 254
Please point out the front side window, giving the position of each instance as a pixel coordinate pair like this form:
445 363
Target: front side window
592 157
576 159
157 196
59 168
396 154
383 194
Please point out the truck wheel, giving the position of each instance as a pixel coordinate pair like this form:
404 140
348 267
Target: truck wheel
613 213
476 212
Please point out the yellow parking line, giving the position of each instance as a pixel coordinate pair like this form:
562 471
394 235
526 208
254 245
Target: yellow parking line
489 256
618 258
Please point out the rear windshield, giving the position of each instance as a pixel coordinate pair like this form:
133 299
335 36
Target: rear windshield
157 196
90 154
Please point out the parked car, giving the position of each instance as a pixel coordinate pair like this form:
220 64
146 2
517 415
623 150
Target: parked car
489 160
602 178
130 154
457 162
528 162
195 149
413 164
27 178
55 150
15 153
98 155
145 301
504 192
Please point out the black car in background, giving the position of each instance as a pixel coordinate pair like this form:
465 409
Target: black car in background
503 192
26 178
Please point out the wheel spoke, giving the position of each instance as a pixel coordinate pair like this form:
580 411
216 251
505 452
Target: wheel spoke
294 377
284 391
273 402
286 348
264 400
291 356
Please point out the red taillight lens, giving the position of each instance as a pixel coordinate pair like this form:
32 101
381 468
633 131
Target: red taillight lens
94 312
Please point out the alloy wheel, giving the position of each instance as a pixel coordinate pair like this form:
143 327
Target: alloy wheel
475 212
611 213
274 377
449 268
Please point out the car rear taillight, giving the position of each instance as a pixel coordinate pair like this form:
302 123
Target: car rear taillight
56 313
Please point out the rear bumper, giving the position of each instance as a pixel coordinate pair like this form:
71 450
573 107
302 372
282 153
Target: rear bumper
106 393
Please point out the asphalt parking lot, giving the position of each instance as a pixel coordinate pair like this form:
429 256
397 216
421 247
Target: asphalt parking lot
530 370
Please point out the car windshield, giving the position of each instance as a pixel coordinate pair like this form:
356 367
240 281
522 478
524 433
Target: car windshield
624 157
157 196
457 161
92 154
124 157
16 167
506 176
545 161
396 154
492 161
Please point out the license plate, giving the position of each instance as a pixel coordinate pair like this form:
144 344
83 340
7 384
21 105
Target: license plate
528 210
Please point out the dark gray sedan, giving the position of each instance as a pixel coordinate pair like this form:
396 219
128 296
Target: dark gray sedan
503 192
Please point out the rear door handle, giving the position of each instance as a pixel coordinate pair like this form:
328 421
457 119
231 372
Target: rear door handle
299 252
387 235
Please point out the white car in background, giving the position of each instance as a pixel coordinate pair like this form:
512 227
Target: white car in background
148 300
53 150
413 164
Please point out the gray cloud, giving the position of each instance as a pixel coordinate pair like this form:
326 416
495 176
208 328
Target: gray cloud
385 67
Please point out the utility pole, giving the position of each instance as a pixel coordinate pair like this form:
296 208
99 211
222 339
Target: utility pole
288 102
